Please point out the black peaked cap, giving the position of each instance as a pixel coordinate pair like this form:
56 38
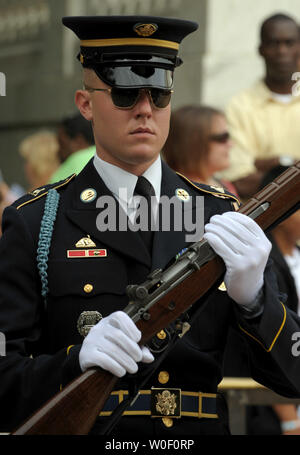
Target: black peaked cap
131 51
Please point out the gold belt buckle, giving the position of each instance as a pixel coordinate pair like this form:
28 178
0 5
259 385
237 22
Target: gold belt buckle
166 403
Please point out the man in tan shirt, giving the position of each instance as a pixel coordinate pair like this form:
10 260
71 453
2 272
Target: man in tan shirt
264 119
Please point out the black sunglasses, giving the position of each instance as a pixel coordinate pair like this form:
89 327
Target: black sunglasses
127 98
221 138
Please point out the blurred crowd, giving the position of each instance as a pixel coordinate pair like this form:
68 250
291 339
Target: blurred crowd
239 150
49 157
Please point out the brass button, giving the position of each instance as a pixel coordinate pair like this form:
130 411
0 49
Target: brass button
161 335
163 377
88 288
167 422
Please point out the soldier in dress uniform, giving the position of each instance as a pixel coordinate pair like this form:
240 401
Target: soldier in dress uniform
63 278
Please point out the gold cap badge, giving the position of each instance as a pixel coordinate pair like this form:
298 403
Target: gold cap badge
145 29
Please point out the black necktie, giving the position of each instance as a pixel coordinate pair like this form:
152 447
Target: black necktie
144 188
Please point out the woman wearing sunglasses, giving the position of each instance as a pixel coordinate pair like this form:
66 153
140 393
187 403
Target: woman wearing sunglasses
198 145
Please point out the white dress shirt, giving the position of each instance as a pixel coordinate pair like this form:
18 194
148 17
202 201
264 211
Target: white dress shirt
122 184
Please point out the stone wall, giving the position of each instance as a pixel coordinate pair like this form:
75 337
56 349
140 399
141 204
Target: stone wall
30 58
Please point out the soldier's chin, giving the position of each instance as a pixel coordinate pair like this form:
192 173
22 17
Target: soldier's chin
143 156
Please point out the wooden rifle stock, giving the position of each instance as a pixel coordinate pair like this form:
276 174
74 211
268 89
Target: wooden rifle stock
75 409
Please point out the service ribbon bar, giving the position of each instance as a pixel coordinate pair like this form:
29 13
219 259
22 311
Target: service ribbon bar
86 253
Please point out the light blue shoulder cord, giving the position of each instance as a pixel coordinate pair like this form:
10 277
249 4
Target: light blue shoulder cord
45 236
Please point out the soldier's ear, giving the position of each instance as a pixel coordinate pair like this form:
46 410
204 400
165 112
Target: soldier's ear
84 104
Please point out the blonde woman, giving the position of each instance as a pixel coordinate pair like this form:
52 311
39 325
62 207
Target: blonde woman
40 154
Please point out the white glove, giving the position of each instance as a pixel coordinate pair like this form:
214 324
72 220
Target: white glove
112 344
244 248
